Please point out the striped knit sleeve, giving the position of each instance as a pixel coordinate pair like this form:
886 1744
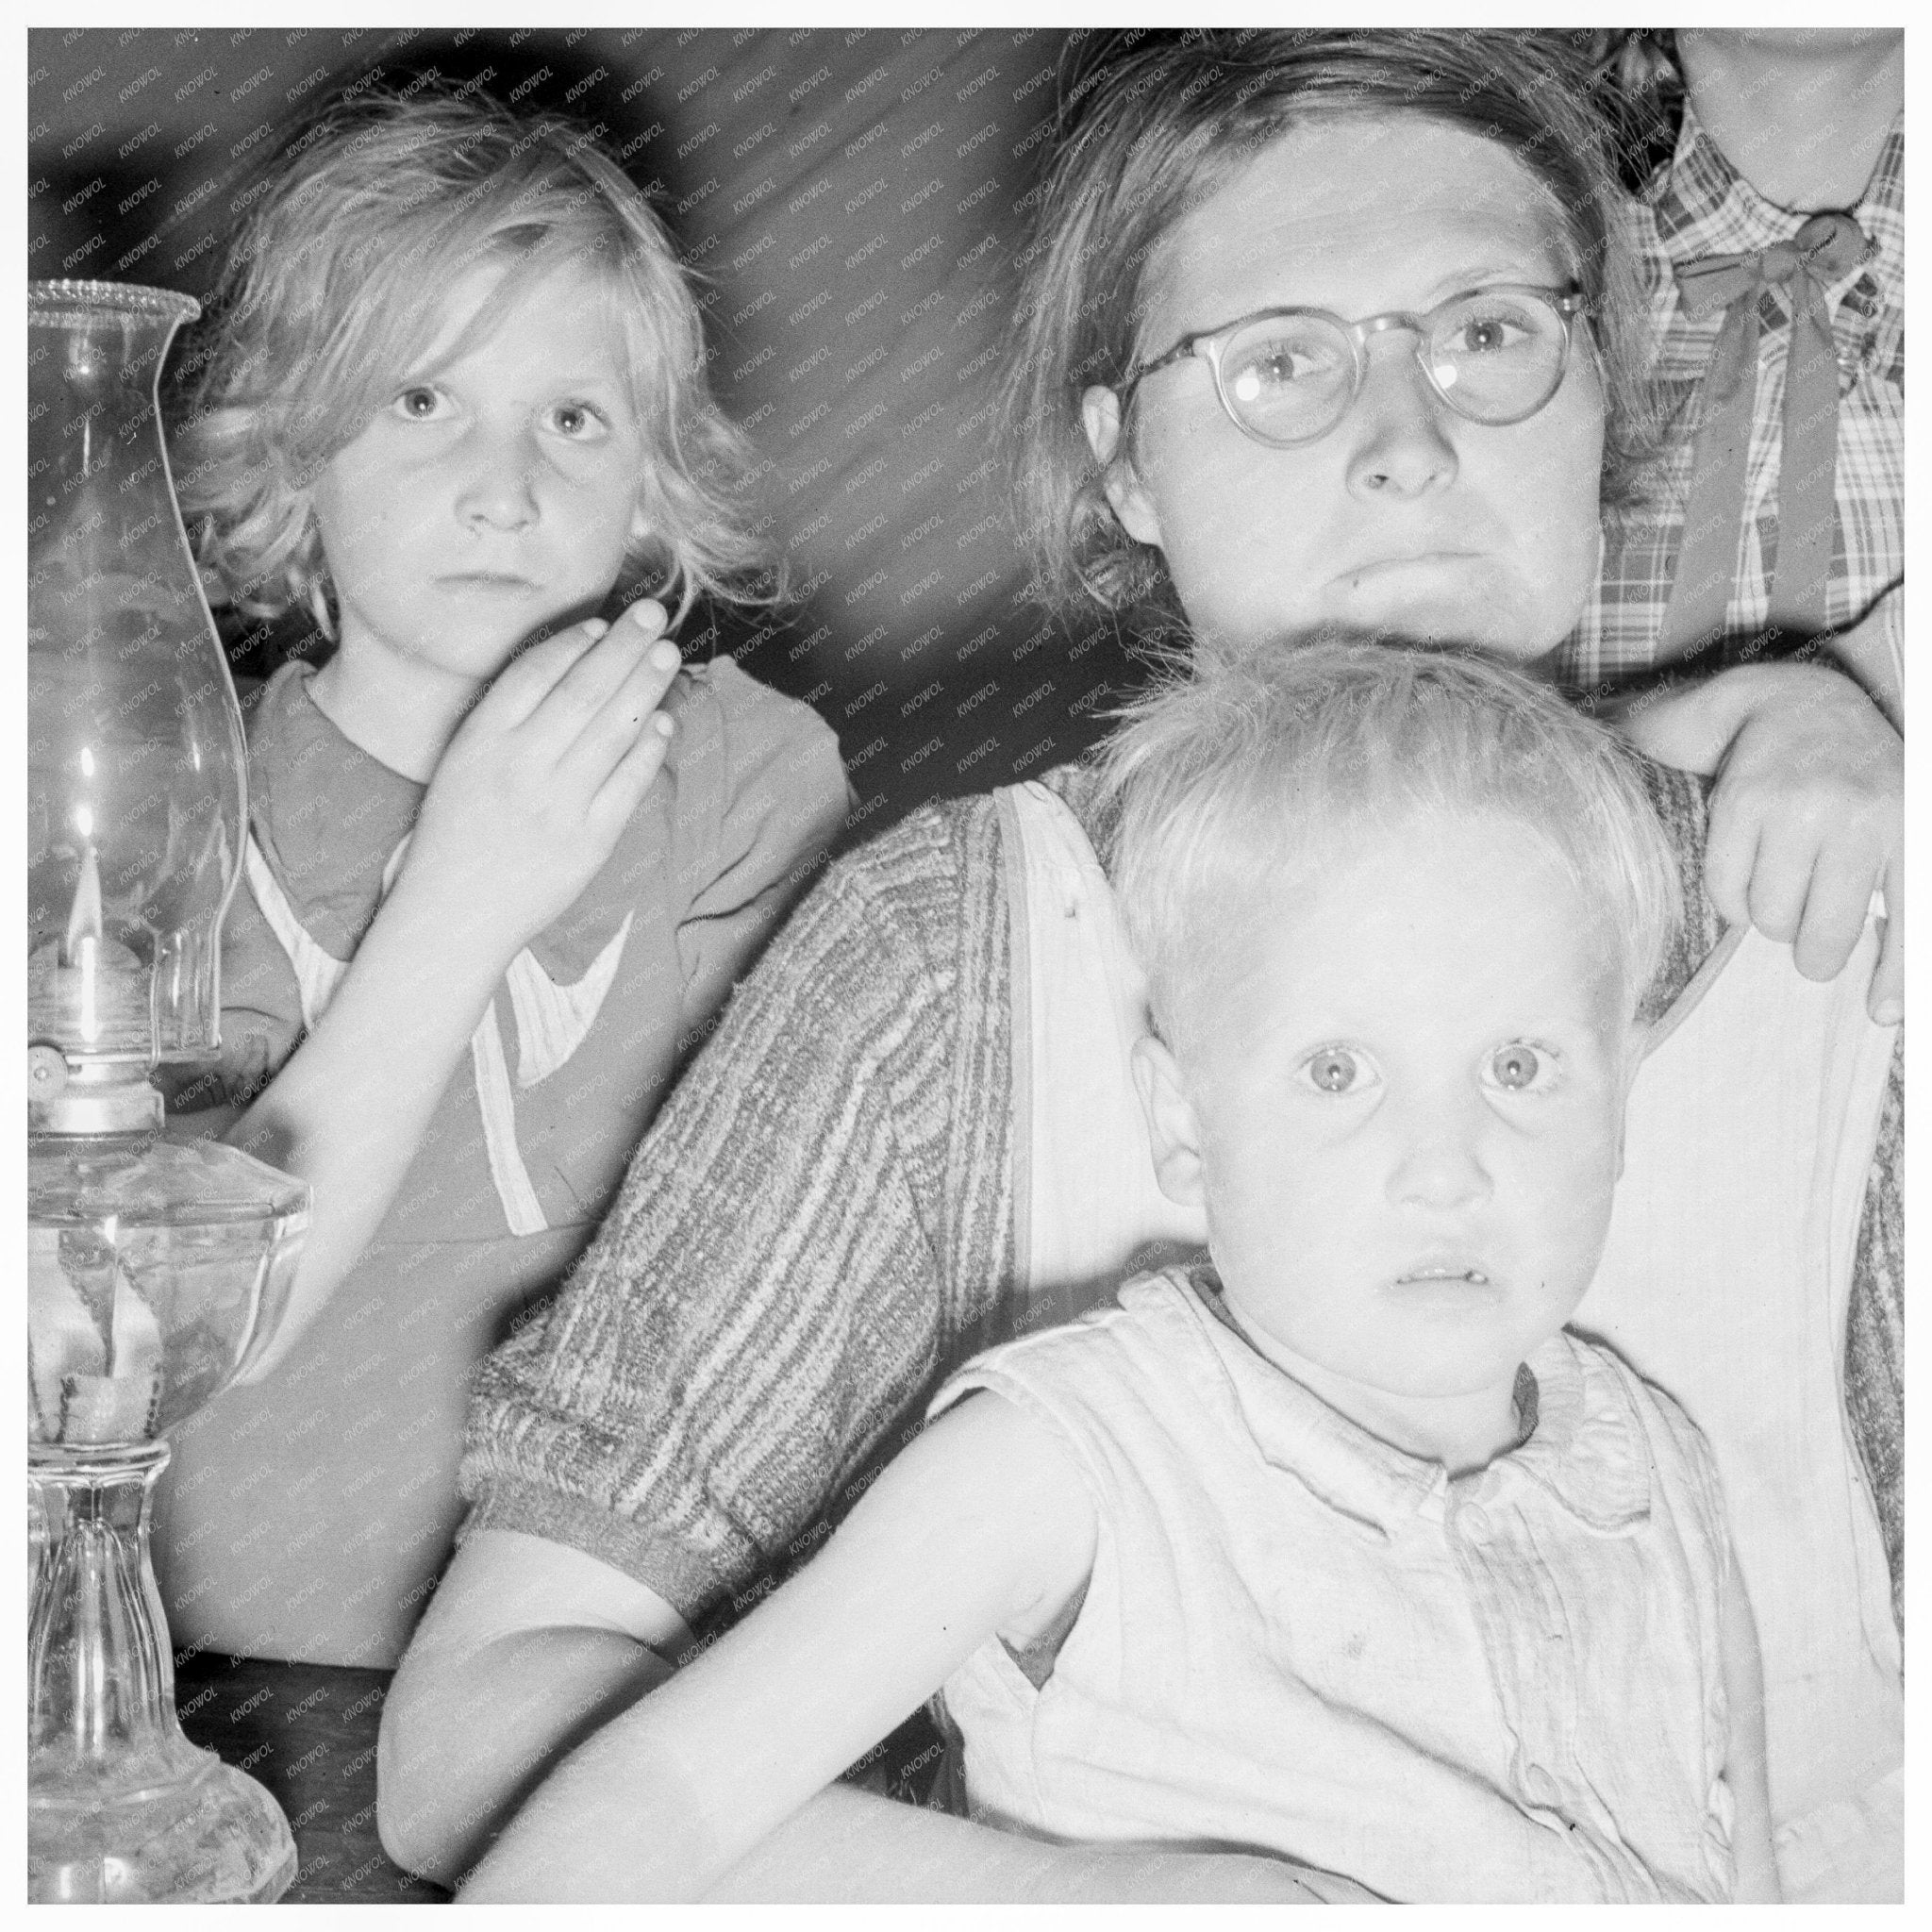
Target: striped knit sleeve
820 1214
1682 803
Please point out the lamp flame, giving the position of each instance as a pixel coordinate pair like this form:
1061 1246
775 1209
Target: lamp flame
82 945
83 917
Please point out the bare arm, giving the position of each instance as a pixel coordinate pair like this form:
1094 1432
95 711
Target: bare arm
526 1647
716 1782
528 801
979 1525
529 1645
847 1846
1807 814
1744 1762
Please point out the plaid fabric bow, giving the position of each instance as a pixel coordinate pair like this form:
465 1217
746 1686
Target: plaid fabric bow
1826 247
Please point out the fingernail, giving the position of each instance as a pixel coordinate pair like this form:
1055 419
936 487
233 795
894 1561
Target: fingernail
596 626
1890 1012
665 727
651 616
665 657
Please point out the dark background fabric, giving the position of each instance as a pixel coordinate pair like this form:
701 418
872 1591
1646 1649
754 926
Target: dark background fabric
854 201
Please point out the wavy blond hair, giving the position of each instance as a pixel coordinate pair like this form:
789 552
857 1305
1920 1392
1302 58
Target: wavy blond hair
334 286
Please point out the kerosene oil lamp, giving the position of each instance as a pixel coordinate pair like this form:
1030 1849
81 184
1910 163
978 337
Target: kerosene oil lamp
155 1268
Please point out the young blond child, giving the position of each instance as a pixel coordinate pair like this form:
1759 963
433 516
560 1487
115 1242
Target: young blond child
1338 1545
504 857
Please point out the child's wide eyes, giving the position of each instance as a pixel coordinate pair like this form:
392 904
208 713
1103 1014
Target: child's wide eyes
419 403
578 421
1335 1070
575 422
1518 1066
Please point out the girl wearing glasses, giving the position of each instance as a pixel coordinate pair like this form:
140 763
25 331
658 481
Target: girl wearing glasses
1319 331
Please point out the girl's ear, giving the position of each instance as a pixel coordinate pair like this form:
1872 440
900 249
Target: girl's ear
1171 1122
1100 417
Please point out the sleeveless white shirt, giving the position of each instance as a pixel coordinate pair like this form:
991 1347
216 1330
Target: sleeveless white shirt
1725 1282
1508 1685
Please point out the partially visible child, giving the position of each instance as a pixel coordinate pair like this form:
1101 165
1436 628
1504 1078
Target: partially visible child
1338 1546
1770 227
504 857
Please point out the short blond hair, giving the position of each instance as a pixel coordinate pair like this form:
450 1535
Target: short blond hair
1240 764
334 283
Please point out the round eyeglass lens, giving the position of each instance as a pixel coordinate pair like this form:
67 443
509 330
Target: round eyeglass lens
1497 356
1288 377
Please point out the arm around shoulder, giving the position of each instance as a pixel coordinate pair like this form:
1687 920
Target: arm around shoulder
1701 724
1873 651
1807 814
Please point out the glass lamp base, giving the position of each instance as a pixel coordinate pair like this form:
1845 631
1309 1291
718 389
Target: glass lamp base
121 1807
213 1836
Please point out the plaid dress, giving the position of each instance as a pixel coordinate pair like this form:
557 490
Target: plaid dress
1697 207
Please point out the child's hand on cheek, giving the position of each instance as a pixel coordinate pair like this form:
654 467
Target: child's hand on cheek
529 798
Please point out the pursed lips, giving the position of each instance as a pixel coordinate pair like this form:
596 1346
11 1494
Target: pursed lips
496 579
1416 560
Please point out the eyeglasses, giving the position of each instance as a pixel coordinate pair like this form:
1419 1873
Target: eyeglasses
1287 376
